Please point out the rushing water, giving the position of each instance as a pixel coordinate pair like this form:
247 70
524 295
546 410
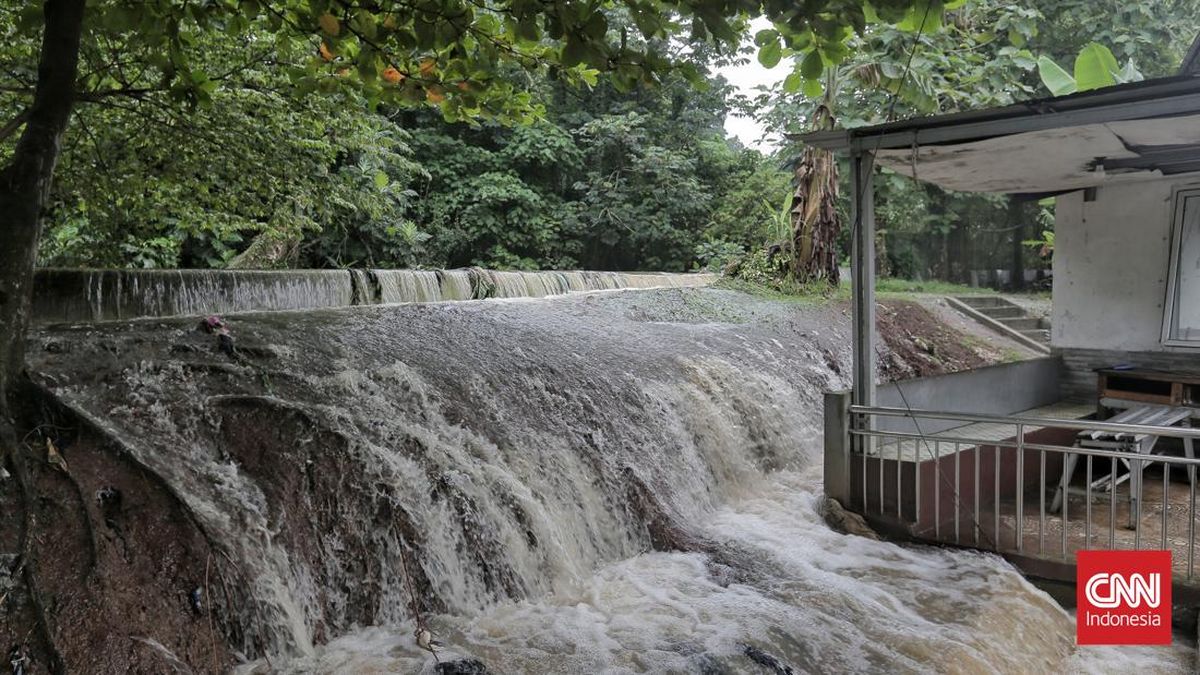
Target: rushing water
532 460
62 295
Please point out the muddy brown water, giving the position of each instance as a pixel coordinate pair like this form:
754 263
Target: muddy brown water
612 482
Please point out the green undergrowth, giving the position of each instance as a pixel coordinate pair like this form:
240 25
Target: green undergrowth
787 290
891 285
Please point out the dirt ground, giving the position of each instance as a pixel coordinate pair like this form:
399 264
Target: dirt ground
924 337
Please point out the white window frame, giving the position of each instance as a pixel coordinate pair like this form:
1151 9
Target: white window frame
1178 198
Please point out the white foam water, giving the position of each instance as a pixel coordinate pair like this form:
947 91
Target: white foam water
818 601
524 455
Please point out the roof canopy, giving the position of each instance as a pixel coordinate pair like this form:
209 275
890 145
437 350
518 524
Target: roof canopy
1043 146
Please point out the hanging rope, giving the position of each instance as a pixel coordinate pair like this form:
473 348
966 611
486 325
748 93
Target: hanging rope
422 633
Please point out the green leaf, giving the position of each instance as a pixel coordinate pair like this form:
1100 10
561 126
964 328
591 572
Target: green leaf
1057 80
793 82
813 88
381 180
812 66
770 54
766 35
923 15
1095 67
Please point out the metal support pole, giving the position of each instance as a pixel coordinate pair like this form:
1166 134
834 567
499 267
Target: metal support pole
862 270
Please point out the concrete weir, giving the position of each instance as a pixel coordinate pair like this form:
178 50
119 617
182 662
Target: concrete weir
67 295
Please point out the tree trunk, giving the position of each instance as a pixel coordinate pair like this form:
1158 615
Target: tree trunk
815 222
25 186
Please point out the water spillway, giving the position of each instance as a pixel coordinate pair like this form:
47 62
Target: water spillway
65 295
619 482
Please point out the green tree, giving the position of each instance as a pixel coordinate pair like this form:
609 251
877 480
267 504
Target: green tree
976 57
448 54
1153 35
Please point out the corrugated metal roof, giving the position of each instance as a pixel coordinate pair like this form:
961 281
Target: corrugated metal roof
1044 145
1178 94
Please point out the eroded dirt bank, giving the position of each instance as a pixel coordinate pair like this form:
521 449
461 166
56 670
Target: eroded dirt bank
183 508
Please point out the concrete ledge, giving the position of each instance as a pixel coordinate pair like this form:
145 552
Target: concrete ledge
63 295
1001 389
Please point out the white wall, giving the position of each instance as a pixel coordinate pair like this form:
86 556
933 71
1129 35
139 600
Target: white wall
1111 261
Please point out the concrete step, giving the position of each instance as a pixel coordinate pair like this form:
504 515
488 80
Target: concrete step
999 312
1040 334
982 301
1021 322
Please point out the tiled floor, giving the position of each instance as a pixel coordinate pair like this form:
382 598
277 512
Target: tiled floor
936 444
1106 525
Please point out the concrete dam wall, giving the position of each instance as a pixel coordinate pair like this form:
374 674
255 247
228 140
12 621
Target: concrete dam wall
62 295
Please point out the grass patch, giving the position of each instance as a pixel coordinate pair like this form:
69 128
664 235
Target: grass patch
791 291
786 291
891 285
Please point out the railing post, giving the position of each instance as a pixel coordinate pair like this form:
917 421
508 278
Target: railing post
847 433
837 447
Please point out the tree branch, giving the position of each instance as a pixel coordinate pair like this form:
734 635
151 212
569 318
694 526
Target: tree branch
14 124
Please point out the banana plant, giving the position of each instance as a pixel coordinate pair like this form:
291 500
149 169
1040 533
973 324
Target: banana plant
1095 67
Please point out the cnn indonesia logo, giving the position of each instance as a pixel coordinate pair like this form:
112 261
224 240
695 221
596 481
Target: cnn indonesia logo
1123 597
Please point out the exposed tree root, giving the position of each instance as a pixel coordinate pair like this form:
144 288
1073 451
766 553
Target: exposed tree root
120 573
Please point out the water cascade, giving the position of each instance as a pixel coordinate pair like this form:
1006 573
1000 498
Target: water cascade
62 295
408 285
617 483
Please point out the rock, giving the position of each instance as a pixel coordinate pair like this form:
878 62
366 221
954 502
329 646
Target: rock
767 660
706 664
462 667
846 522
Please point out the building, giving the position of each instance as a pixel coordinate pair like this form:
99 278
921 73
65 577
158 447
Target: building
1090 447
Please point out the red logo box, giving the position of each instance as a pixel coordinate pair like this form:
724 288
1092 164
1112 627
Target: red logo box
1123 597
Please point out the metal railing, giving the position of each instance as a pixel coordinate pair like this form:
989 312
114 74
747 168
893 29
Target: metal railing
954 486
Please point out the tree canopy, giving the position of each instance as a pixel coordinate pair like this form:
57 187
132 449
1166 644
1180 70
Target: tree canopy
165 63
203 127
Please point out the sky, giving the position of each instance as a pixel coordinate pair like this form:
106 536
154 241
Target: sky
745 78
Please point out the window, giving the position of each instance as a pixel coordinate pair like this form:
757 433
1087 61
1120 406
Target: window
1181 322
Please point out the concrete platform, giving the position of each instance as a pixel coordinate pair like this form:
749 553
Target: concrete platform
938 444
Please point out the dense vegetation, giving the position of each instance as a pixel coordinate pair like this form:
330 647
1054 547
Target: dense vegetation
602 179
601 176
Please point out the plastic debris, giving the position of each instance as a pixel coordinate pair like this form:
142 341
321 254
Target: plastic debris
216 325
425 640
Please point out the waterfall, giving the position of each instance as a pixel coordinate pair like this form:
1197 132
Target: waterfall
100 295
61 295
456 285
602 483
408 285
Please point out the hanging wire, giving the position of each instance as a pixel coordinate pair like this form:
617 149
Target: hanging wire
857 225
